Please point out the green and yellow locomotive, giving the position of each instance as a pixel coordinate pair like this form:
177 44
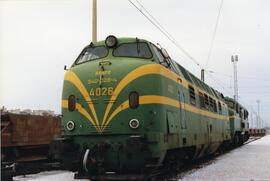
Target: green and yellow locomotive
238 122
128 108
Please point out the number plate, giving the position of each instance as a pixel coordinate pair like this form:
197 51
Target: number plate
104 91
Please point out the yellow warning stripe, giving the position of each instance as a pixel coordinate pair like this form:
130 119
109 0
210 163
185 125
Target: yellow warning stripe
136 73
154 99
234 117
146 70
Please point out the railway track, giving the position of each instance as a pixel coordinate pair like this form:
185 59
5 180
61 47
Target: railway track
11 169
197 164
251 139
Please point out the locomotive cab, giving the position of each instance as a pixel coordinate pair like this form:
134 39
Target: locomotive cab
107 105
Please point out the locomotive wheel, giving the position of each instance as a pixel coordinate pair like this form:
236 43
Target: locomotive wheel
236 141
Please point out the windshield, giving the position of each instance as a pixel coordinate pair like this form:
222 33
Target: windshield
92 53
137 50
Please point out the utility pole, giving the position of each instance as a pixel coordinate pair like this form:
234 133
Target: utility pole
258 115
251 120
94 22
234 61
202 75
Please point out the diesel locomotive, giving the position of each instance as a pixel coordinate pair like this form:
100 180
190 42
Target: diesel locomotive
128 108
239 125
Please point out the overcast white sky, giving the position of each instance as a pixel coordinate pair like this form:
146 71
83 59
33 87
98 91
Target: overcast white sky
39 37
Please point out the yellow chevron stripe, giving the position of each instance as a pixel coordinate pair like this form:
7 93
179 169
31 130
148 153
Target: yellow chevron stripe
82 111
138 72
73 78
141 71
154 99
120 108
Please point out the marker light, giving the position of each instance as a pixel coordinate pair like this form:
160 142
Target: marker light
111 41
134 123
70 125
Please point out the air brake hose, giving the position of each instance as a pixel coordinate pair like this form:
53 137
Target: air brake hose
85 159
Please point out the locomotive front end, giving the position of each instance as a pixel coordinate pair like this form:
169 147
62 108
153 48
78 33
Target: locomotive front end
107 107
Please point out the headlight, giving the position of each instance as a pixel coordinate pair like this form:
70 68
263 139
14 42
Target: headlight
70 125
111 41
71 103
134 123
133 100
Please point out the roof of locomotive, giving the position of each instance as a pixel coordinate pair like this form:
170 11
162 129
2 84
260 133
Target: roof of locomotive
185 73
196 81
234 101
121 40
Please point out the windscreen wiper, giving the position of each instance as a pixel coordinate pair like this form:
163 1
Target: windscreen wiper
138 46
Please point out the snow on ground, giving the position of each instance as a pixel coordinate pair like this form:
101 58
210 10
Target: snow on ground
249 162
48 176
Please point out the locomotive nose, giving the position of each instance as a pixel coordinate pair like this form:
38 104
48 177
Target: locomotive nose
105 157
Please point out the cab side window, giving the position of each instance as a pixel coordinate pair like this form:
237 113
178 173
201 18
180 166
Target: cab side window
162 60
215 106
201 97
192 96
219 107
211 104
206 101
237 108
241 112
160 57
